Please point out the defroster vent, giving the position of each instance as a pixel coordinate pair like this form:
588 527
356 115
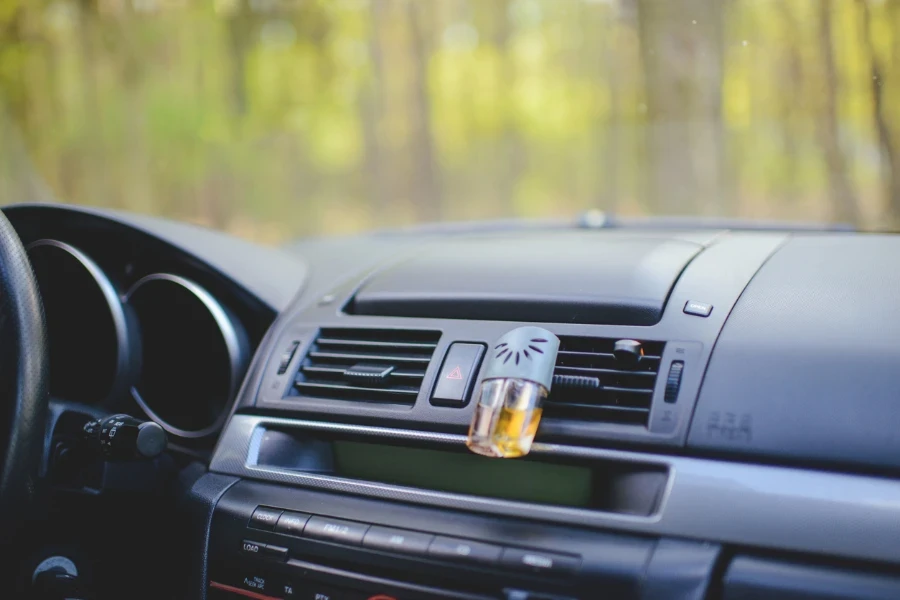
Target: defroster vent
604 379
367 365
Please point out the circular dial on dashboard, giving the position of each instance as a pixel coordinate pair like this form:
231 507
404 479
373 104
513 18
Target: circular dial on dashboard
86 324
193 355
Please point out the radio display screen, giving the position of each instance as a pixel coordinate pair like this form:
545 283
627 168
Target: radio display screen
463 473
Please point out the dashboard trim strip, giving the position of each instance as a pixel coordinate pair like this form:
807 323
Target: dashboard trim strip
245 464
747 504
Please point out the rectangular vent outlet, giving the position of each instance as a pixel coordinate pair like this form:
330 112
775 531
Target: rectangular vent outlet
592 384
367 365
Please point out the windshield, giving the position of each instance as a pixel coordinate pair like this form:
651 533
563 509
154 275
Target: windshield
273 119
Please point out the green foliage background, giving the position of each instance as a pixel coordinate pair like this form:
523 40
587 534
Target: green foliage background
279 118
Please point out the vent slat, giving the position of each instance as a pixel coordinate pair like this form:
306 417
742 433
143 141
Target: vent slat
332 368
361 356
565 370
600 356
302 385
626 390
606 414
339 372
619 409
606 345
370 344
621 390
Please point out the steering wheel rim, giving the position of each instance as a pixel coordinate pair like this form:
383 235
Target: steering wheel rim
24 397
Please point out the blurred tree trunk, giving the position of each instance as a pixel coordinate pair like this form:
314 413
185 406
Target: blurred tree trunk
426 191
371 107
791 71
512 146
682 55
80 183
843 199
889 159
610 59
19 180
240 30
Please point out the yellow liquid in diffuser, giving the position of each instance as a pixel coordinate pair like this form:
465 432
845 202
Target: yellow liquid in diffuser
515 431
506 418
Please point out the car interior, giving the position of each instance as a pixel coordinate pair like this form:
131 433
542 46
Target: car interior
450 299
632 409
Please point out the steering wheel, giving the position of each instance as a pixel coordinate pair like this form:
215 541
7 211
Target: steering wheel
23 382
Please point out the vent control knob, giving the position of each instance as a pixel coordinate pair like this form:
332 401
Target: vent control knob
628 352
673 381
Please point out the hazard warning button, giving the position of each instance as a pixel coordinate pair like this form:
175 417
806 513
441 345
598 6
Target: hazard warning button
454 382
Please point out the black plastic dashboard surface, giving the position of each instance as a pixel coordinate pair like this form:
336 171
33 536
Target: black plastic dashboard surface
580 277
717 275
269 276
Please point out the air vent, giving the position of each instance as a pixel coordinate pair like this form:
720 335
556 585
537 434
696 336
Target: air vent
367 365
596 380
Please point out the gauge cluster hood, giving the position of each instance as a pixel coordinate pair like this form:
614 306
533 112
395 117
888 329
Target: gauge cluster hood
611 279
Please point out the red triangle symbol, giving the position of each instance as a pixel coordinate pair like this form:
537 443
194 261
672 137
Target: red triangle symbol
455 373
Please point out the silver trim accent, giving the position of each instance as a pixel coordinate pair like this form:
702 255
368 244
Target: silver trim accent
114 304
789 509
244 432
55 562
237 353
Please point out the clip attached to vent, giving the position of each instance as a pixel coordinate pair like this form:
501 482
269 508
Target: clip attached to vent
517 380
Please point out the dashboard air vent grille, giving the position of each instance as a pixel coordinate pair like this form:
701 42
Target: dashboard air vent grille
592 382
367 365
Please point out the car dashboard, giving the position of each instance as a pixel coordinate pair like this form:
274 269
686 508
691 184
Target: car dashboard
746 448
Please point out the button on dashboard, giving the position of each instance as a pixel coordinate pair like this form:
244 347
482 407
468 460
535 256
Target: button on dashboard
537 561
291 523
335 530
315 591
252 548
698 309
397 540
264 518
454 382
276 552
446 548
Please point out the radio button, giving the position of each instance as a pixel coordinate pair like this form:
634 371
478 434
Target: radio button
316 591
335 530
252 548
446 548
291 523
397 540
264 518
276 552
537 561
